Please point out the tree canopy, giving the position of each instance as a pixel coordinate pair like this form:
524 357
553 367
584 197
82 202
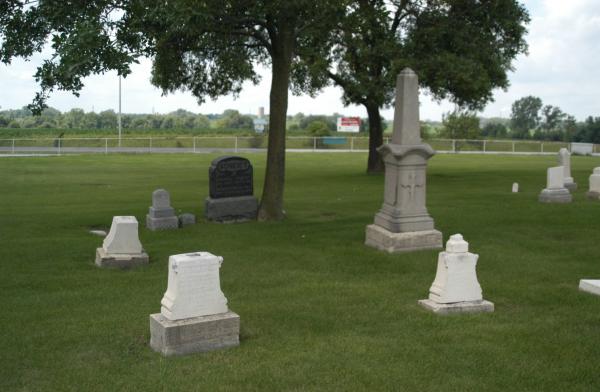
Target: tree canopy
461 50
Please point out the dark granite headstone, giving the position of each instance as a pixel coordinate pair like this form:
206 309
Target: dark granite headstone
230 177
230 190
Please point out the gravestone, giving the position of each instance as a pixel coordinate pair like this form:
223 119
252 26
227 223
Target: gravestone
564 160
455 288
194 316
555 192
187 219
594 192
591 286
161 216
231 189
121 247
515 187
403 223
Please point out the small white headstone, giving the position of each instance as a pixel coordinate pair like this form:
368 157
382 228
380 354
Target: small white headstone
194 288
555 179
595 180
515 187
456 277
123 237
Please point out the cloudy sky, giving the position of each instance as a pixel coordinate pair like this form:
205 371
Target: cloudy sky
562 68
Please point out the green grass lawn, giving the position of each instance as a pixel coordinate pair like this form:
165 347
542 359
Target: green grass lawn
319 310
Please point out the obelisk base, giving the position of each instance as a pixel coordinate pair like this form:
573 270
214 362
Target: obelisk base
383 239
482 306
194 335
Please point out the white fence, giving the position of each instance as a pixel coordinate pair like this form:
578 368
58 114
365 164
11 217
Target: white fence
201 144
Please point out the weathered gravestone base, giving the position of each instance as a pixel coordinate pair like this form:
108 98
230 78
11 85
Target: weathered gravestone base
194 335
555 192
403 223
591 286
106 260
121 247
555 196
455 288
161 216
231 191
194 315
482 306
390 242
231 209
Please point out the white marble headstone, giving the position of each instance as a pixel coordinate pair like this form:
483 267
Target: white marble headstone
595 180
161 199
456 277
123 236
194 288
555 179
515 187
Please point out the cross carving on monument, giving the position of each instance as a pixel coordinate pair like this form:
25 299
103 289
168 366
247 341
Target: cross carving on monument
411 185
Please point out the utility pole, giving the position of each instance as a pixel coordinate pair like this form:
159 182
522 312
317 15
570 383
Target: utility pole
119 116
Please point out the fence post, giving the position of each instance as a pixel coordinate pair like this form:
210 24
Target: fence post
13 146
150 145
484 145
105 145
314 143
351 144
236 144
453 145
513 146
59 142
542 146
194 139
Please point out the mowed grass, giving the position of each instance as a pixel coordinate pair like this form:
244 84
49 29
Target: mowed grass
319 310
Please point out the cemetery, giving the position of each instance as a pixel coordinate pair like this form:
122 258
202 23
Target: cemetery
273 270
317 308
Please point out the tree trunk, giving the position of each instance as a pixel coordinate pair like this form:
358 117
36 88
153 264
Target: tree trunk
271 205
375 162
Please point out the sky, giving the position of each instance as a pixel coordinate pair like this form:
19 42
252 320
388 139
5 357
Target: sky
562 68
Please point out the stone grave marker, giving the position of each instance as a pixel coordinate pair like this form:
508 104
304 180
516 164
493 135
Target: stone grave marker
594 192
403 223
161 216
564 160
455 288
194 315
231 189
515 187
121 247
187 219
591 286
555 192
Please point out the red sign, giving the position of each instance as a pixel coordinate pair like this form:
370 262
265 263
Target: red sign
348 124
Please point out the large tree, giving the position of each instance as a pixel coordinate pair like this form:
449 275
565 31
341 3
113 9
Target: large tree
461 50
206 47
525 116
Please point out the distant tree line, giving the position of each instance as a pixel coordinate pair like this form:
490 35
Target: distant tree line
317 125
529 119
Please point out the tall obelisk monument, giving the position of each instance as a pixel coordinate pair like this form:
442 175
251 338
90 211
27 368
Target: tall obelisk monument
403 223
